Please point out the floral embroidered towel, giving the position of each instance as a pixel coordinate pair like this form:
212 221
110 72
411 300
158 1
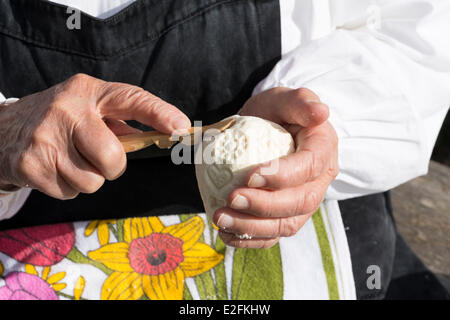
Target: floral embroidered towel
173 257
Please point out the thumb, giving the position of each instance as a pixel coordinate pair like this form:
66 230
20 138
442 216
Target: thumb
287 106
126 102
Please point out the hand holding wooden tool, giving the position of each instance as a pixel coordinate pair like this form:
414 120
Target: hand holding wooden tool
139 141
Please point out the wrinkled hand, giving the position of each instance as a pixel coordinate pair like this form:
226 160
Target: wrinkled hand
63 141
278 205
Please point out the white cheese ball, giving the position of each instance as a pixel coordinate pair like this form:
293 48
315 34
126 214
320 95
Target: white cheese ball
229 156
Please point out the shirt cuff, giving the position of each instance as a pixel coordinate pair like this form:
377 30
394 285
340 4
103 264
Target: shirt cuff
8 101
11 203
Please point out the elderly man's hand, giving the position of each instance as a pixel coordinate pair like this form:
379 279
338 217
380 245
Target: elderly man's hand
63 141
278 205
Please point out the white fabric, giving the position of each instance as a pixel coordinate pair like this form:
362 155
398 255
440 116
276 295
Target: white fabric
383 68
102 9
386 82
304 274
11 203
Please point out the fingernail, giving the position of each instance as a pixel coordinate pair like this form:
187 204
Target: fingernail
225 221
240 203
257 181
181 124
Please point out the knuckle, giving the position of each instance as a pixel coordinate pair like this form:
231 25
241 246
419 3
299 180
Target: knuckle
318 163
73 83
269 206
299 204
312 202
333 172
136 94
310 165
67 91
336 171
279 227
288 227
284 174
78 78
157 107
304 93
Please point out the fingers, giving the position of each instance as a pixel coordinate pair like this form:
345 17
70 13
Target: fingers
126 102
288 106
79 174
71 146
98 145
300 167
36 172
120 128
59 189
235 222
281 203
254 243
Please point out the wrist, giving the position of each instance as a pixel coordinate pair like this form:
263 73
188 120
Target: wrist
7 188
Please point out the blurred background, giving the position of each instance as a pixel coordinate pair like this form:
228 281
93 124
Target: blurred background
422 210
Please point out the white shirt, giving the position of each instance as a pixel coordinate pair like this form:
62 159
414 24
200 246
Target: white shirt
383 68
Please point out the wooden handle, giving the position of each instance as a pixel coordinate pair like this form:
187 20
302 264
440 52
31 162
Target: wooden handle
139 141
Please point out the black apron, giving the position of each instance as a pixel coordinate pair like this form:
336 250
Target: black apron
203 56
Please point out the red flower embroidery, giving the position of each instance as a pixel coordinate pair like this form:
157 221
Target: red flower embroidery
39 246
156 254
154 259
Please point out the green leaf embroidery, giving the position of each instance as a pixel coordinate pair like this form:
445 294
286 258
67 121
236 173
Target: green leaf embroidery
186 293
327 256
257 274
219 271
205 282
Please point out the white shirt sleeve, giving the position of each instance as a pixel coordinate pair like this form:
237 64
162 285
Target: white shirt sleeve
11 203
384 71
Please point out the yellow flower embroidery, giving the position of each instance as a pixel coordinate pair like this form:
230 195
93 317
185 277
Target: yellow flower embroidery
53 280
79 288
102 230
154 259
